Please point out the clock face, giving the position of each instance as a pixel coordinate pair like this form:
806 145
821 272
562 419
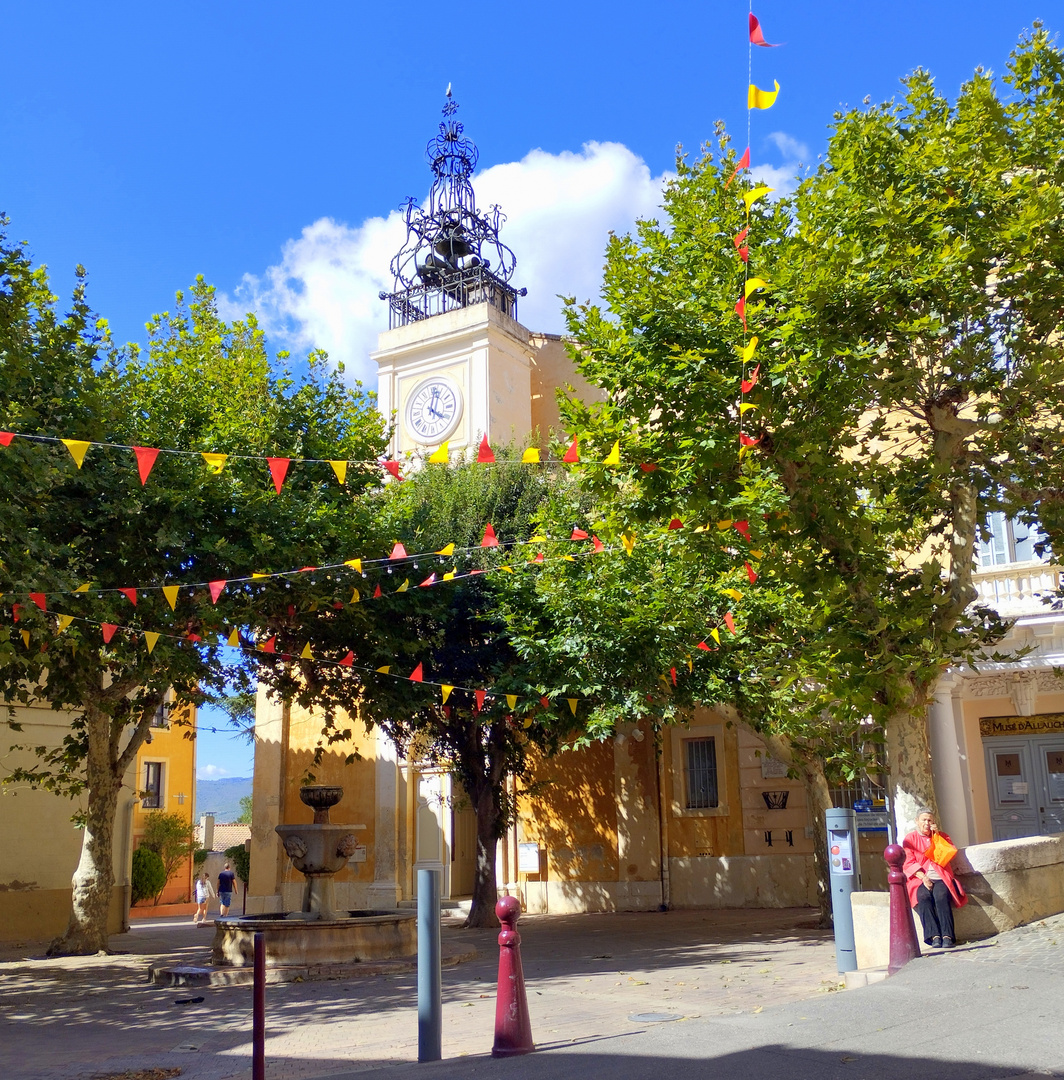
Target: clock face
434 409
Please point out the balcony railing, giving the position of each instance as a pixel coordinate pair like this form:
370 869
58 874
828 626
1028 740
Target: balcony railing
1015 589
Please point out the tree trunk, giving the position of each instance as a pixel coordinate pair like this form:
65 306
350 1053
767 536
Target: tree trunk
485 889
909 761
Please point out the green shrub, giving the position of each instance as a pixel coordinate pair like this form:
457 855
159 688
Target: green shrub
199 857
240 860
148 875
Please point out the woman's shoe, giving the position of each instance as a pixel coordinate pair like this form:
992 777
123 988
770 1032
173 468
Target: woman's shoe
947 943
937 943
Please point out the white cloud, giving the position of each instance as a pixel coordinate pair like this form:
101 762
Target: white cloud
559 208
211 772
783 178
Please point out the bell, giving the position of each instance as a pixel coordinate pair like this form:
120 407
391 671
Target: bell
452 244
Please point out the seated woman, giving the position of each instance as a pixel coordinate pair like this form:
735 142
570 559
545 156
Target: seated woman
933 889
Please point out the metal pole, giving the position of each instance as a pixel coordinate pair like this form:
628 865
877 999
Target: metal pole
429 968
258 1026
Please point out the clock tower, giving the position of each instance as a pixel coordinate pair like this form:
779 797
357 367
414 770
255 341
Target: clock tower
455 364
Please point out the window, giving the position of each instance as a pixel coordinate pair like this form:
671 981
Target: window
152 797
1006 540
700 773
159 719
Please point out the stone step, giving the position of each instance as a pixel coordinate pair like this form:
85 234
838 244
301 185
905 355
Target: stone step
451 907
864 977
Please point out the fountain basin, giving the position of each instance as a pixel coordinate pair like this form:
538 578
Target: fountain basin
358 937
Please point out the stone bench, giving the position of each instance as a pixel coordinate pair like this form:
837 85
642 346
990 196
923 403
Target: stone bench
1009 883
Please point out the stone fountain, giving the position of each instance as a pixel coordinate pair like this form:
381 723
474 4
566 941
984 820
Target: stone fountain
319 939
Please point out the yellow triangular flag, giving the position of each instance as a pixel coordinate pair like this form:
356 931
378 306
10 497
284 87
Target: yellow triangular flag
405 585
449 575
306 654
446 692
234 637
354 597
82 588
508 569
531 456
355 564
572 704
715 635
528 723
448 550
440 456
511 700
385 669
77 448
690 667
170 592
614 456
747 351
150 639
725 524
255 575
752 284
746 406
733 593
26 633
340 468
761 99
757 554
537 539
628 540
64 622
750 197
215 462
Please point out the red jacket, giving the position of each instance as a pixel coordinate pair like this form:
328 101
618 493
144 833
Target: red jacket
916 847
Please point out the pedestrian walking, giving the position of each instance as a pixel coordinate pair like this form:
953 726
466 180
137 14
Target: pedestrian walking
204 891
226 881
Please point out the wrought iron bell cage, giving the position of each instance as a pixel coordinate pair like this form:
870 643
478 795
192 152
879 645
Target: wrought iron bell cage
452 256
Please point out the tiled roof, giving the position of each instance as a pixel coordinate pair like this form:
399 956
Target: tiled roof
226 836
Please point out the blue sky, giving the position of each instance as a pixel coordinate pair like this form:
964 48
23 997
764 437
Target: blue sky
264 145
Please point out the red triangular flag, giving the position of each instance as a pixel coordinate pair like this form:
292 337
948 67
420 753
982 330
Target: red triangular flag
703 646
578 534
108 629
676 523
39 599
744 254
647 467
597 545
393 468
278 470
377 593
416 675
539 557
740 309
130 595
743 528
739 237
6 437
216 589
270 645
473 573
398 552
746 440
193 638
430 580
749 384
480 695
348 660
484 454
15 609
572 455
146 456
751 573
756 37
729 622
490 539
742 163
672 672
545 702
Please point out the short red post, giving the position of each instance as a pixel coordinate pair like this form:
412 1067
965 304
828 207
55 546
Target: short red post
513 1028
904 944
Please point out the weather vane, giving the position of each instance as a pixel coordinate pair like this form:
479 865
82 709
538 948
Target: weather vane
452 256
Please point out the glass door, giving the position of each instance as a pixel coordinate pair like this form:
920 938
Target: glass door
1013 809
1050 756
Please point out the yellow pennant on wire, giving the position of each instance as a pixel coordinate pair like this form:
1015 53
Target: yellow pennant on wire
340 468
511 700
384 669
747 351
77 448
572 704
170 592
531 456
234 637
746 407
614 456
446 550
440 457
446 692
64 622
355 564
405 585
215 462
762 99
750 197
355 597
628 541
82 588
151 639
753 284
306 654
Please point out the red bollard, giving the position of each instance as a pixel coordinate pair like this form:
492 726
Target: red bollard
513 1028
904 944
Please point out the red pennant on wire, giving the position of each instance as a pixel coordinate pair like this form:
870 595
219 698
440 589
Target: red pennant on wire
15 609
751 573
749 384
744 254
578 534
742 163
146 456
130 595
392 467
278 470
703 646
377 594
398 552
108 629
572 455
739 237
758 38
480 695
672 672
747 440
193 638
490 539
743 528
729 622
597 545
676 523
216 589
417 675
430 580
539 557
545 702
270 645
485 456
646 466
39 599
740 310
348 660
6 437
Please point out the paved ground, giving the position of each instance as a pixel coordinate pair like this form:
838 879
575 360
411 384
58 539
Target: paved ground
757 992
